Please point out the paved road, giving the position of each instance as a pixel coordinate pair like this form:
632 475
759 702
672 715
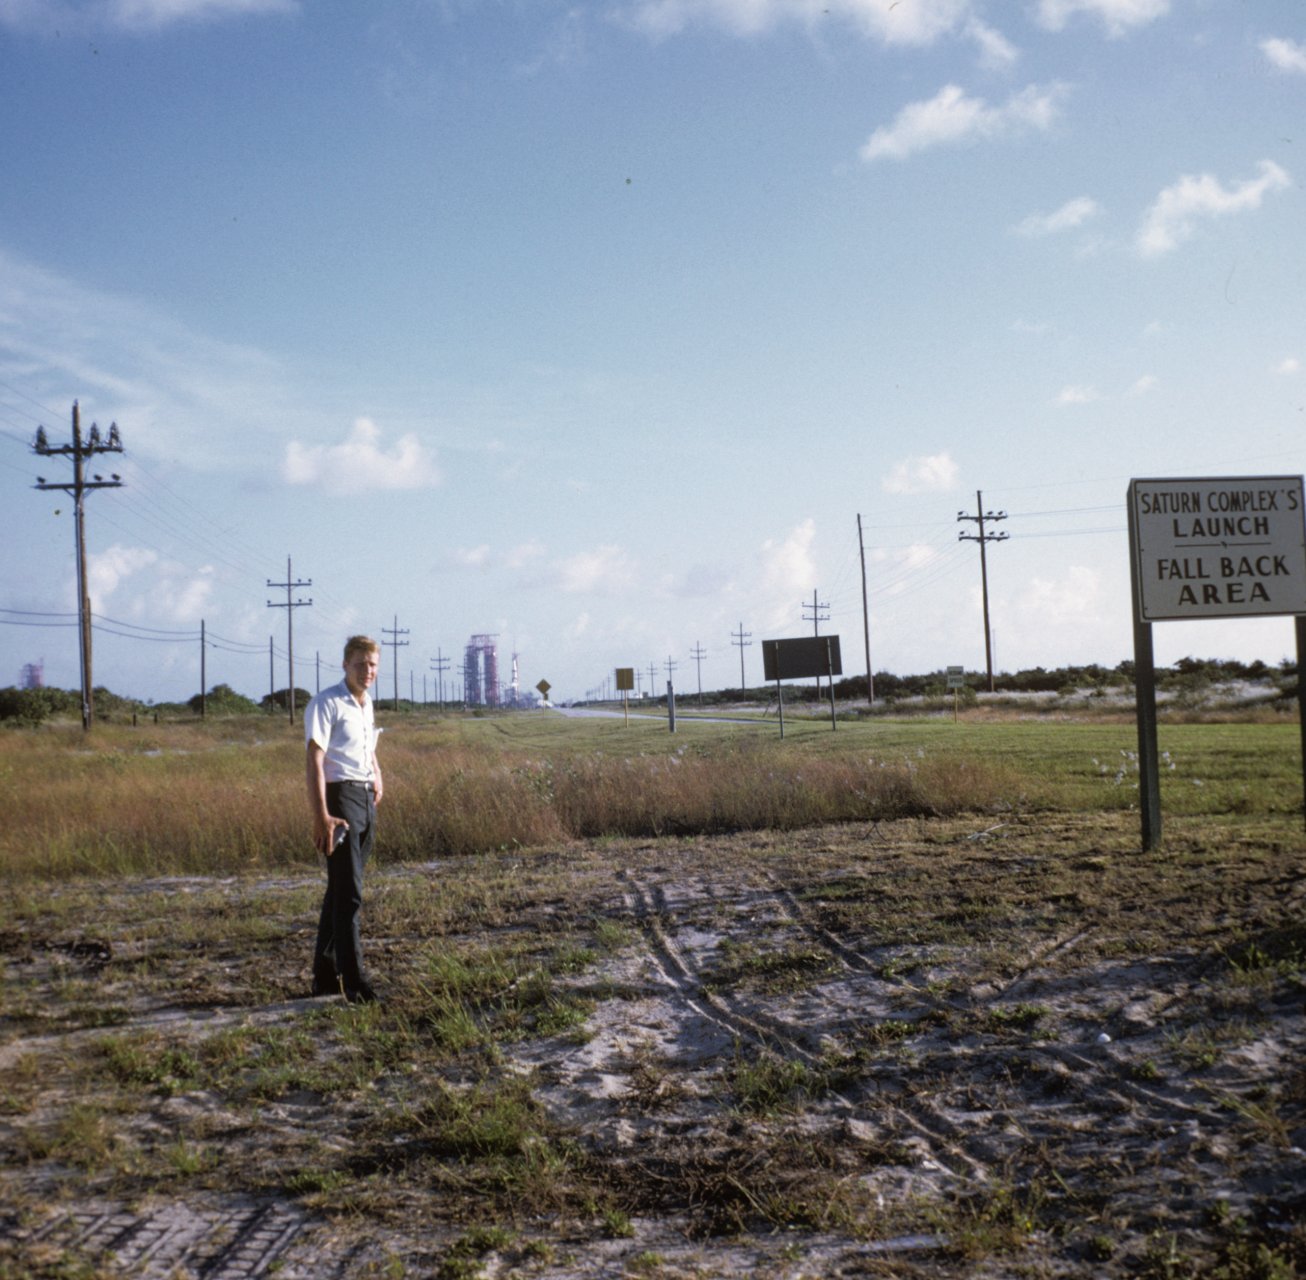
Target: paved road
682 717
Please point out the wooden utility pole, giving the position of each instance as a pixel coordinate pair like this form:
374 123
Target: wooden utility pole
866 618
290 606
79 451
396 644
439 664
816 619
741 639
698 653
982 538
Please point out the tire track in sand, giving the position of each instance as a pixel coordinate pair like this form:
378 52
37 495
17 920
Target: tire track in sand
650 908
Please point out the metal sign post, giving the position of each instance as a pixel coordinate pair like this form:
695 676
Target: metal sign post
1230 547
956 681
625 683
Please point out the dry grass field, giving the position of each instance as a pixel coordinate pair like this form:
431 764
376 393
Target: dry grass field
974 1032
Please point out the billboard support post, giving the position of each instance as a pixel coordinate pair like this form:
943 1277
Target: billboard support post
829 669
779 690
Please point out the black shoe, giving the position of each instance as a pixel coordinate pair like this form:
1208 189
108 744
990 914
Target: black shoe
362 994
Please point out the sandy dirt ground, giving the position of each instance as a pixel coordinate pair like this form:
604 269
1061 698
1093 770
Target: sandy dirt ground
956 1048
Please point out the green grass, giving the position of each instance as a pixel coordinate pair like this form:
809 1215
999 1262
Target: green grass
201 799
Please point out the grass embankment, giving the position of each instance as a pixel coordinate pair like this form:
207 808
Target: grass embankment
228 795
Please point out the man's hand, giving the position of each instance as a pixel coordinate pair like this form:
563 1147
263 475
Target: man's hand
328 833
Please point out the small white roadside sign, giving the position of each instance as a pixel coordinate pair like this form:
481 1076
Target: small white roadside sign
1218 548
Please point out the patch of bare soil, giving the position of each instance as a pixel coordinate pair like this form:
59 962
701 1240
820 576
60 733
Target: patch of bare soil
912 1049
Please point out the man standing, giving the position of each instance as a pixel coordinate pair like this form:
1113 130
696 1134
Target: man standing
344 788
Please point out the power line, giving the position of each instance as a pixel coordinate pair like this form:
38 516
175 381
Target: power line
161 631
131 635
10 622
45 408
38 613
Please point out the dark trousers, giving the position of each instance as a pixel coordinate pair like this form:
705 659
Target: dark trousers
338 956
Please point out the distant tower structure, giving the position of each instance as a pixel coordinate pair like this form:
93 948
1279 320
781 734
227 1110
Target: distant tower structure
34 675
514 689
471 675
481 672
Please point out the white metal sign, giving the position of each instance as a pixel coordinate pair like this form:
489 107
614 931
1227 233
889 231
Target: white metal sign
1218 548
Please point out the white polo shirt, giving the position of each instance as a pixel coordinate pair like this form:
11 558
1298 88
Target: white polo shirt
344 731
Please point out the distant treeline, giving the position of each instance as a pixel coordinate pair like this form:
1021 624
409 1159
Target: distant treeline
34 706
1188 674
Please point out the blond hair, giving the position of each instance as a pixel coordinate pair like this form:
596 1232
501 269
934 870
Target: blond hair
360 644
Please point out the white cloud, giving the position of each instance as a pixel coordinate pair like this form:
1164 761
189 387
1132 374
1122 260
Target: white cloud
788 565
605 570
1071 600
1171 219
1287 55
934 473
994 48
68 16
174 392
1077 395
1118 16
106 570
698 582
187 598
899 570
524 555
1147 383
892 22
1072 214
162 13
472 557
952 117
1288 366
359 464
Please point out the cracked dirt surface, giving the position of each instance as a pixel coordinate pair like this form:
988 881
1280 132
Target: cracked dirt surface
916 1049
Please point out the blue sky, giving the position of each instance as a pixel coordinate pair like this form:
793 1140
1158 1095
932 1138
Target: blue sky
596 326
